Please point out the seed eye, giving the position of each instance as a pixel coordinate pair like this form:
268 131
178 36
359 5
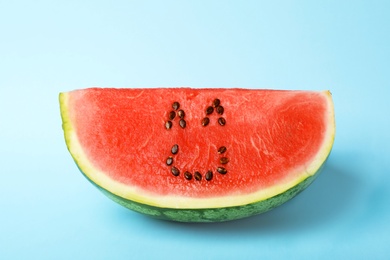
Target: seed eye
168 124
175 171
222 149
205 121
181 113
221 170
169 160
175 105
216 102
221 121
182 123
198 176
224 160
171 115
209 175
220 110
175 149
188 175
209 110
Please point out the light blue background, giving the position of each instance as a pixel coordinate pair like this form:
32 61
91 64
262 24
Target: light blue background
50 211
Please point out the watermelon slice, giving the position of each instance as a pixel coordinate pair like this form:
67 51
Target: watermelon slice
198 155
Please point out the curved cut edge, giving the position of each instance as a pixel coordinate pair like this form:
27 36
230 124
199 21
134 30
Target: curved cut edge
211 214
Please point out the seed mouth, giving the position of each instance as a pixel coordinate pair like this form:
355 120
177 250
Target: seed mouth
169 161
224 160
188 175
209 175
222 149
174 149
197 175
221 170
168 125
175 171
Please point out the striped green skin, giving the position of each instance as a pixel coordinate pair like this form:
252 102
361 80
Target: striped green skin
211 214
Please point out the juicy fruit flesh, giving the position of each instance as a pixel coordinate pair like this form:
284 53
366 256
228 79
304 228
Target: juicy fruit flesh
269 135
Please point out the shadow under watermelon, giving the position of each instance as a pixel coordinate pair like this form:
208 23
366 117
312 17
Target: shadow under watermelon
323 201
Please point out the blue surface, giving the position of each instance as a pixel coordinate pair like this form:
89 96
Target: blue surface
50 211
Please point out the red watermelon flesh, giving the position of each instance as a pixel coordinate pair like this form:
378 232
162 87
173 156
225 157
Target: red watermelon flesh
274 139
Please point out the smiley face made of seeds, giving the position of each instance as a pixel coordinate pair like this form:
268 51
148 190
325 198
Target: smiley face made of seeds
178 115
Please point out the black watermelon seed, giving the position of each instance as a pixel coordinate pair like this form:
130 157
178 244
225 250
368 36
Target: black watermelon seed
224 160
216 102
209 175
221 170
168 125
188 175
198 176
169 160
175 105
175 149
181 113
172 115
205 121
220 110
222 121
222 149
175 171
182 123
209 110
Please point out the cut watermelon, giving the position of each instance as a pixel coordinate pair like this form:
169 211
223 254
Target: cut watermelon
198 155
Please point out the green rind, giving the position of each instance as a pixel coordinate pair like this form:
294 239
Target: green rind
211 214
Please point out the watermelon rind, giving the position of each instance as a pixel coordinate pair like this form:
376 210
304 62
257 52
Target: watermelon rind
211 214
